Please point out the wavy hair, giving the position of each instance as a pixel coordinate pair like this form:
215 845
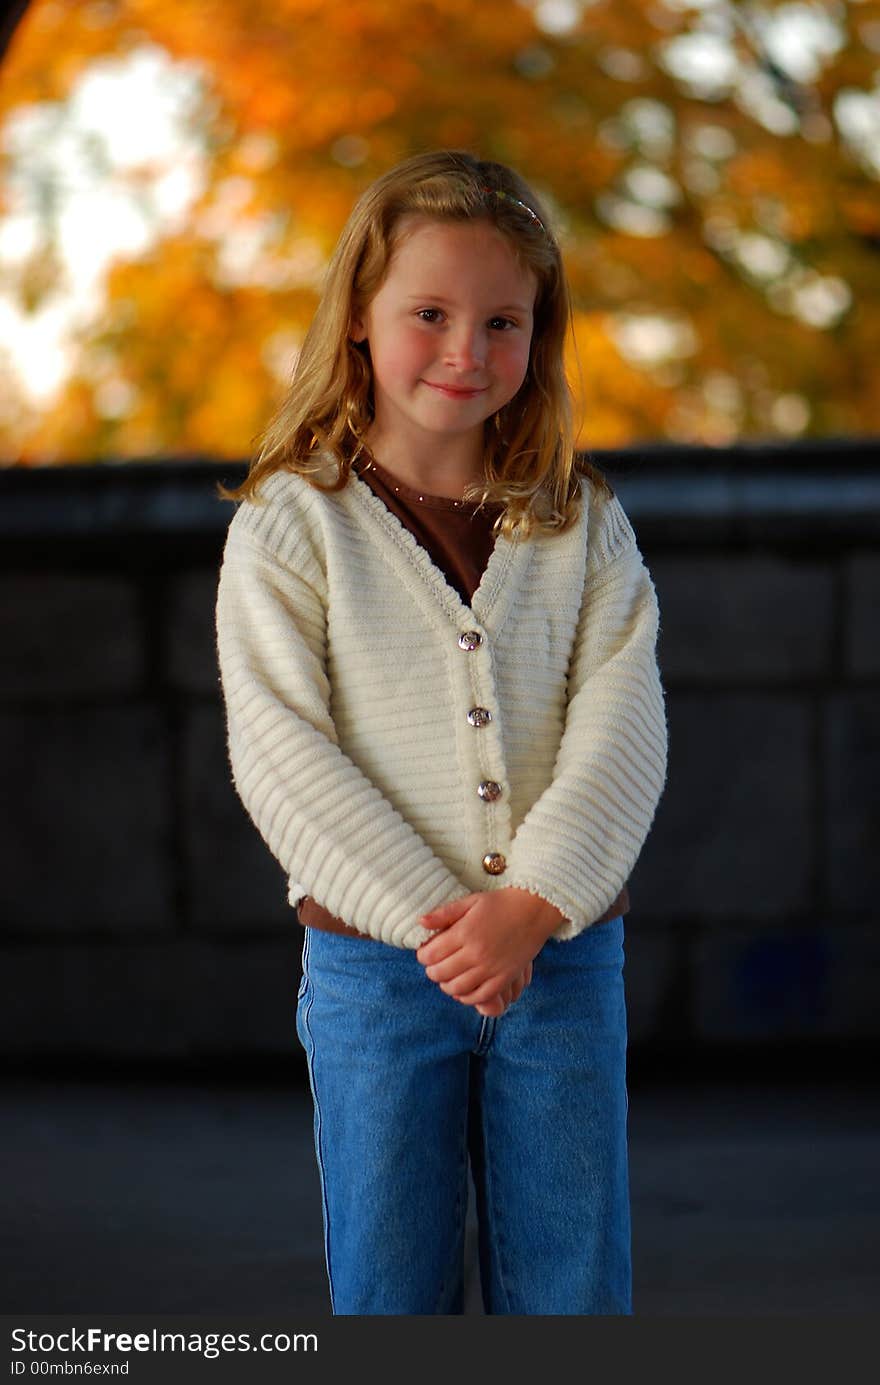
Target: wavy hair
529 462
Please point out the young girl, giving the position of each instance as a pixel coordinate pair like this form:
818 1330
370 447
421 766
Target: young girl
436 640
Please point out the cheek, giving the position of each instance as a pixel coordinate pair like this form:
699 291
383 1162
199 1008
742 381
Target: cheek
399 355
514 364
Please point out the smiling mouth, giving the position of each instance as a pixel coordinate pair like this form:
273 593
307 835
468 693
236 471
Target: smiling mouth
455 392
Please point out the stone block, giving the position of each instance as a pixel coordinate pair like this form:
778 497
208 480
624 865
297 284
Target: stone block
745 617
851 840
651 956
782 984
234 882
863 612
190 637
64 635
732 836
150 999
247 996
85 843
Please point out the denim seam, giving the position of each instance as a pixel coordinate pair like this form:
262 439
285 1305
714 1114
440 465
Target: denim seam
491 1203
460 1212
319 1130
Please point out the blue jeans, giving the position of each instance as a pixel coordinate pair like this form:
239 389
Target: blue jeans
407 1083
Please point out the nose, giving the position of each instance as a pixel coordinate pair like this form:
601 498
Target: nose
466 348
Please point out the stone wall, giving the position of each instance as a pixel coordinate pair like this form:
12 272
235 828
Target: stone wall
142 916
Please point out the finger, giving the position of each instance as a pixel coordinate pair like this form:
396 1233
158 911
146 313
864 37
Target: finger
492 1008
447 913
449 967
437 926
466 982
438 949
480 991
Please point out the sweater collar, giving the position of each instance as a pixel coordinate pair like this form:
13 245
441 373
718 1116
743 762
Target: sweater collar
491 602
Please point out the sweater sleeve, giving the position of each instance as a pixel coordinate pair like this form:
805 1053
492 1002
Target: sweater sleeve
579 841
324 820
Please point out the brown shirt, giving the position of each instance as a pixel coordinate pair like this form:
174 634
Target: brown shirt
458 536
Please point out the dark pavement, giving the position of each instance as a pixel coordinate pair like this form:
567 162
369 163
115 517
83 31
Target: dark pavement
151 1197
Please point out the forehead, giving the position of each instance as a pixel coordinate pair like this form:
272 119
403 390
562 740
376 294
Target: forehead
473 250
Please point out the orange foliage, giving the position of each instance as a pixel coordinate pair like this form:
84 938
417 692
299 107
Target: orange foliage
305 101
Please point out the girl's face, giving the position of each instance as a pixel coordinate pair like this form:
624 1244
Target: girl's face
449 331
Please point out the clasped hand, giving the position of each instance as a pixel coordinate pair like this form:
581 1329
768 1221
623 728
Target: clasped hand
482 954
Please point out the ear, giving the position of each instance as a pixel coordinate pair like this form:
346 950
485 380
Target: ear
356 328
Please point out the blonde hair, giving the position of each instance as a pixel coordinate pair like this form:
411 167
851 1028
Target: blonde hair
530 466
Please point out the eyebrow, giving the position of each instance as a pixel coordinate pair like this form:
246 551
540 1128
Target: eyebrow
445 302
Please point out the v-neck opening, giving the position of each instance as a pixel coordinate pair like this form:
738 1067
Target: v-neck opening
419 497
490 583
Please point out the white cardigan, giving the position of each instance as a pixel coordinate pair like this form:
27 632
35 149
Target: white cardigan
349 667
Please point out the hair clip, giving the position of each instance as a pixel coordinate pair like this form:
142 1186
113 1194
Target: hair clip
508 197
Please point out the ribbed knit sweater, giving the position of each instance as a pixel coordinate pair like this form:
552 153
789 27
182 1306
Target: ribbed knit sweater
368 707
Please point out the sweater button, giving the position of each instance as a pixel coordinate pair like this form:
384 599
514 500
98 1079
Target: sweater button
479 716
471 639
489 790
494 863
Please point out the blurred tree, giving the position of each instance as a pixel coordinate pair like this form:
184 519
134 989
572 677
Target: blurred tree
11 14
712 168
